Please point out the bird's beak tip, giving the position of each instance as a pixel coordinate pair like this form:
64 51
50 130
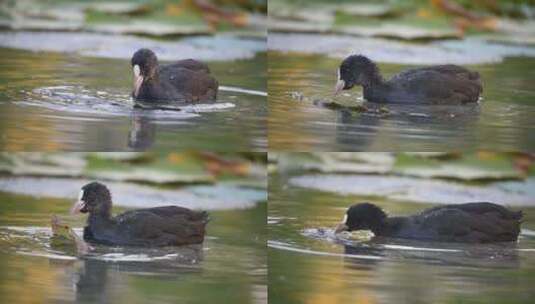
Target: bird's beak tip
340 227
77 207
338 87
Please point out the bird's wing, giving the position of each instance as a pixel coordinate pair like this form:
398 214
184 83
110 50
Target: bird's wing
448 69
446 222
481 208
189 64
485 223
439 83
153 222
196 83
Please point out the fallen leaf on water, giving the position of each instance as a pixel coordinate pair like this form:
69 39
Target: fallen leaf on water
119 8
63 237
150 28
368 10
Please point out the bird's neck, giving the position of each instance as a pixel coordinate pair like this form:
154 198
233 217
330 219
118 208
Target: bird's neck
99 219
372 77
375 92
374 87
377 227
388 225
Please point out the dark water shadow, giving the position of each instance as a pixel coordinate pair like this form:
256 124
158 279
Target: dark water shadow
489 255
496 255
359 130
97 275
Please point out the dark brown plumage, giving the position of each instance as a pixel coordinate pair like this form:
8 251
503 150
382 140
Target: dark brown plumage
160 226
440 84
470 223
184 81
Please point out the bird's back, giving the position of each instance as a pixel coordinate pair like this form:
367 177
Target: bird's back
160 226
189 64
441 84
472 222
188 80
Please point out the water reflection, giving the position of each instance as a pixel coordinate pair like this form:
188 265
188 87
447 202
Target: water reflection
94 280
142 131
432 123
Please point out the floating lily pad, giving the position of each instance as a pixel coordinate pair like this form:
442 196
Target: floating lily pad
150 28
466 51
44 25
340 162
514 31
417 190
290 26
164 168
122 156
176 168
49 164
221 197
368 9
129 8
398 31
469 167
223 47
313 13
64 13
383 159
152 176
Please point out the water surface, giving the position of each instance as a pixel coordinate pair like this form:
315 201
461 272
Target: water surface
501 121
308 264
230 265
68 102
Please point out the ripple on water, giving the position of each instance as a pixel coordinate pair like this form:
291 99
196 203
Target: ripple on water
36 242
362 245
78 100
289 247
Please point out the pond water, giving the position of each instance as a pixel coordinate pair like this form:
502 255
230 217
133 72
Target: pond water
501 121
231 264
68 102
308 264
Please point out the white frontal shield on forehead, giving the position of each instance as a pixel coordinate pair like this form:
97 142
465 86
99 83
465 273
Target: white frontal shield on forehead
340 84
138 79
79 204
136 70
